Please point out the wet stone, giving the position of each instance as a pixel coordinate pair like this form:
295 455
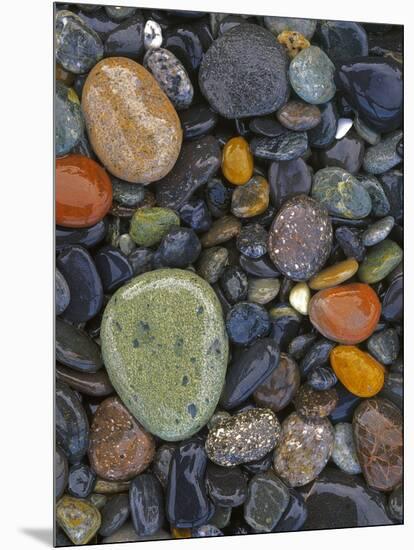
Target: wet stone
75 349
221 231
161 463
252 241
69 120
218 198
378 231
324 133
113 267
234 284
114 514
81 480
314 404
149 225
227 487
261 267
96 384
286 146
127 39
380 260
127 533
294 42
350 241
299 298
146 504
393 388
266 126
288 178
61 472
311 74
344 125
246 322
343 39
346 405
250 199
180 247
98 21
87 236
118 13
299 116
126 244
141 260
197 121
379 199
322 378
294 515
244 437
276 25
344 452
267 499
363 130
262 291
72 427
237 162
392 183
383 156
79 519
195 214
184 42
62 293
392 304
212 262
346 153
301 344
152 35
334 275
316 356
285 324
384 346
278 390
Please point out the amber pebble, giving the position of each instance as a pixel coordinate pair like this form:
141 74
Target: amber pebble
64 76
357 370
237 162
347 314
83 192
222 230
313 403
334 274
293 41
278 390
378 439
250 199
132 125
119 448
178 533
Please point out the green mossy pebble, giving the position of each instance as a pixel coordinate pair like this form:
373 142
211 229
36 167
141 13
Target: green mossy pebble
380 261
149 225
79 519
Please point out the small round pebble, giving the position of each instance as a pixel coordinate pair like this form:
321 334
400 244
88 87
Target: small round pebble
262 291
378 231
252 240
234 284
152 35
212 262
246 322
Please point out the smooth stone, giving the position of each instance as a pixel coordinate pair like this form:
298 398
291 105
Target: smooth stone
171 75
127 533
126 244
324 133
347 314
303 450
262 291
152 34
384 346
365 132
267 499
377 426
105 487
378 231
259 466
122 87
198 121
161 463
78 46
300 238
252 240
149 225
195 214
346 153
207 531
81 480
98 21
66 77
393 183
180 247
358 371
184 42
299 116
293 41
221 231
78 518
346 405
187 504
246 322
83 192
245 437
299 298
396 504
234 284
315 404
61 472
300 345
212 262
227 487
294 515
337 500
343 40
180 341
229 22
276 25
249 370
344 452
250 199
114 514
69 119
392 304
316 356
118 13
75 349
141 260
62 293
285 324
237 161
287 179
266 126
334 275
341 193
311 74
127 39
374 87
72 427
96 384
321 378
259 59
119 447
380 260
261 267
146 503
279 388
350 242
197 163
286 146
383 156
87 237
113 267
217 417
218 197
344 125
379 199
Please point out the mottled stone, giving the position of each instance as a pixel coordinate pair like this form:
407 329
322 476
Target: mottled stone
392 183
349 240
246 322
380 260
344 452
222 230
262 291
152 35
233 283
252 241
384 346
250 199
293 41
149 225
378 231
276 25
218 197
237 162
278 390
383 156
267 499
315 404
299 116
118 13
79 519
68 119
140 141
334 274
322 378
212 262
127 533
81 480
311 74
286 146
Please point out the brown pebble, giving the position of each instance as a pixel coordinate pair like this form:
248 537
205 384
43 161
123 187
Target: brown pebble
315 404
222 230
278 390
250 199
299 116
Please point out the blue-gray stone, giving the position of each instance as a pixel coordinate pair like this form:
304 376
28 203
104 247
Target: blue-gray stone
68 119
62 293
378 231
383 156
276 25
379 200
311 75
384 346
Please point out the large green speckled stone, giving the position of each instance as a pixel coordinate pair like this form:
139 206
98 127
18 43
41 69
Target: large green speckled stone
165 348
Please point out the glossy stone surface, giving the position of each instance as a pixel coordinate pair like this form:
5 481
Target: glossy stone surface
346 153
380 260
378 231
252 241
261 267
384 346
262 291
378 438
83 192
69 120
226 486
233 283
300 238
250 199
247 322
311 74
285 324
285 146
344 452
96 384
197 163
334 275
322 378
119 447
195 213
343 39
146 504
237 161
180 247
316 356
303 450
346 405
127 39
245 437
288 178
245 53
314 404
392 304
294 515
218 197
79 519
61 472
81 480
184 42
113 267
212 263
299 298
347 314
72 427
299 116
127 533
75 349
379 199
383 156
176 341
149 225
141 153
114 514
222 230
392 183
324 133
197 121
87 237
62 293
350 242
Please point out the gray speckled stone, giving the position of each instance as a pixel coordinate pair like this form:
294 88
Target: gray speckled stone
243 73
379 200
286 146
165 349
276 25
344 452
384 346
378 231
383 156
311 75
69 119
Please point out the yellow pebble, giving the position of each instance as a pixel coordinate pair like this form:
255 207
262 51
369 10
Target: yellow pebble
180 533
237 163
299 298
334 274
293 41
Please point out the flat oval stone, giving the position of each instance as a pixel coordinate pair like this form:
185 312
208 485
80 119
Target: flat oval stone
245 437
119 447
118 13
279 388
314 404
113 267
185 43
87 237
300 238
267 499
344 451
81 480
96 384
126 39
379 199
146 504
197 163
299 116
311 74
197 121
287 179
250 199
237 162
262 291
167 326
79 519
378 231
233 283
343 39
245 53
347 314
72 427
226 486
277 25
286 146
78 47
334 275
322 378
149 225
392 304
75 349
303 450
152 34
380 260
62 293
363 130
378 438
316 356
212 263
383 156
324 133
77 266
69 120
83 192
142 152
61 472
221 231
114 514
346 153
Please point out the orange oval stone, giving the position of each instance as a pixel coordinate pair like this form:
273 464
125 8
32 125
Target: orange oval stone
83 191
334 274
357 370
347 314
237 161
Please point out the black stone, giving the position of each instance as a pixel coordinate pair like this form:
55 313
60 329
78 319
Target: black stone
392 304
393 185
393 388
286 146
262 267
323 134
75 349
301 344
196 215
99 22
114 514
317 356
226 486
180 247
343 40
81 480
267 126
285 325
234 284
246 322
218 197
259 466
146 503
287 179
185 44
61 472
346 405
113 267
295 514
161 463
252 240
350 241
141 260
197 121
346 153
127 39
